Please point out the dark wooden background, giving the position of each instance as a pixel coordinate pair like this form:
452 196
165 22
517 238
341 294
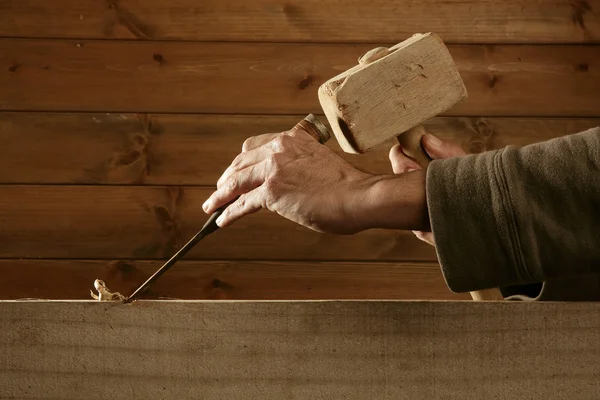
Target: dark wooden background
118 116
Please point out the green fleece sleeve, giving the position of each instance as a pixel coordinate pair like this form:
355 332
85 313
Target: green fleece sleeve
517 215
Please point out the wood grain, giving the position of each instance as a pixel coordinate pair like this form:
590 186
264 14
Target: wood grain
238 280
111 222
317 350
470 21
165 149
246 78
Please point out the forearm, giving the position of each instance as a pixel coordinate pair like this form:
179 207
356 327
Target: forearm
392 202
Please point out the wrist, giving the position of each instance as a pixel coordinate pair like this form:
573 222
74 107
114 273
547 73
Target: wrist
392 202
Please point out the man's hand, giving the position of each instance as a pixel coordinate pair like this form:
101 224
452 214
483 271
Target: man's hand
436 150
292 174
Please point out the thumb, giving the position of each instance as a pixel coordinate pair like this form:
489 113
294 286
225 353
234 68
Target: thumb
400 162
438 149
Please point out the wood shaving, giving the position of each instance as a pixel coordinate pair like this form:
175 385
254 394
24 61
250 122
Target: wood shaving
103 293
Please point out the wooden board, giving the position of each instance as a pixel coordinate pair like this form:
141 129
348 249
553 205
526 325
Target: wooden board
129 76
153 222
303 350
240 280
492 21
163 149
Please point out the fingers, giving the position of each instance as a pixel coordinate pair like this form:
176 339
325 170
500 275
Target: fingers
246 204
238 183
438 149
243 161
426 237
261 156
400 162
279 143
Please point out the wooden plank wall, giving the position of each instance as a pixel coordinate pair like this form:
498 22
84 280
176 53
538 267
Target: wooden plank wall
117 116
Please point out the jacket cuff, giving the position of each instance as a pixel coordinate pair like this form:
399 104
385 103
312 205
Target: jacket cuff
473 225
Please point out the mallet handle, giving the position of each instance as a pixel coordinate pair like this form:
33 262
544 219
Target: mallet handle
411 145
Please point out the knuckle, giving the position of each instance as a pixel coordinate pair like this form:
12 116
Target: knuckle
236 161
281 143
277 144
233 183
286 140
274 163
241 202
269 196
247 145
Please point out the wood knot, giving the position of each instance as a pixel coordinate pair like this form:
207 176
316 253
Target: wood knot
149 127
14 68
304 83
582 67
578 9
480 143
124 267
291 10
484 128
140 140
145 172
158 58
164 219
493 81
475 146
219 284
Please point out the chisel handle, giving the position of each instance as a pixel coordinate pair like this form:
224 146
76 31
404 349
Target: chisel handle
315 128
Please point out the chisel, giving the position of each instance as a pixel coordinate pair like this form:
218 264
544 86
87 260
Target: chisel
209 227
309 124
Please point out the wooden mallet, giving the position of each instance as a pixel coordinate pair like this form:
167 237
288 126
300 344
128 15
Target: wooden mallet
389 94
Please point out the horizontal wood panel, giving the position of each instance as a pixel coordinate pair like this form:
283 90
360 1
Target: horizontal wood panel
495 21
108 222
249 78
241 280
299 350
162 149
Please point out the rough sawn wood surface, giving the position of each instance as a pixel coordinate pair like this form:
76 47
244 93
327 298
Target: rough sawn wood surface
299 350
